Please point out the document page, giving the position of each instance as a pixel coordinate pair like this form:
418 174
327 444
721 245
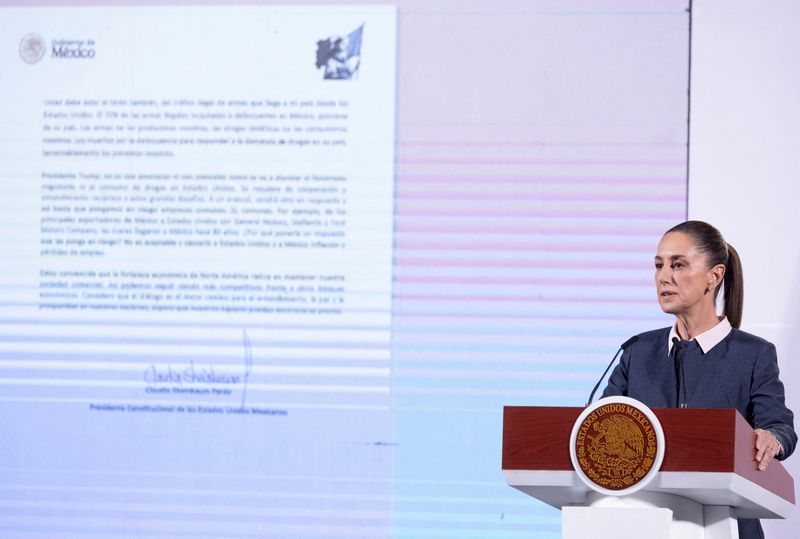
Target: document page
197 222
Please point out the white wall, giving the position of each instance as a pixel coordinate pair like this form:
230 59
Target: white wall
744 165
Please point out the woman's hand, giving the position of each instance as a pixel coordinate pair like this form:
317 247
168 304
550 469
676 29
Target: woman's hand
767 448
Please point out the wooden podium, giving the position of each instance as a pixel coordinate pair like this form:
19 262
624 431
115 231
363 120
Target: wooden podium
708 463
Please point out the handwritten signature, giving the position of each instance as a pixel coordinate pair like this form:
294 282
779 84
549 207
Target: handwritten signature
248 363
191 374
202 375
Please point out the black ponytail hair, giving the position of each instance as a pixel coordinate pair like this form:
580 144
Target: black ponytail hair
709 241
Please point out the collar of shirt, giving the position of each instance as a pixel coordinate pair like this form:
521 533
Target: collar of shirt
708 339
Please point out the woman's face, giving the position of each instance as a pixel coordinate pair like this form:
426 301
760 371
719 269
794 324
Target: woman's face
683 281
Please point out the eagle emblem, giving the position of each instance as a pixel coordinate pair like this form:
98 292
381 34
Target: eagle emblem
616 446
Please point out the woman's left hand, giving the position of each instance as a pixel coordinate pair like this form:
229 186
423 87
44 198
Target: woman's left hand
767 448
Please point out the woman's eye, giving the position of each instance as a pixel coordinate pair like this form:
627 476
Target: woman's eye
677 265
659 266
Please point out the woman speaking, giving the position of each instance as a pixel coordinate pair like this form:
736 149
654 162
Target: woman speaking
705 360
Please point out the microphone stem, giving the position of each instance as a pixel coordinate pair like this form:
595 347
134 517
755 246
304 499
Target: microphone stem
591 395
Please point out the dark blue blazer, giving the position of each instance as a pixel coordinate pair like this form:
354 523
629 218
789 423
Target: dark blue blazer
739 372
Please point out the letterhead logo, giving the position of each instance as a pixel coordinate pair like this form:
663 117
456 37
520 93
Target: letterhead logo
340 56
32 48
73 49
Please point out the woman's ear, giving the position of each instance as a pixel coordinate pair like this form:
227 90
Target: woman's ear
715 276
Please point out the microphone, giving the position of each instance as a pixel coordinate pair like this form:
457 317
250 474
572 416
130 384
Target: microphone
624 346
680 375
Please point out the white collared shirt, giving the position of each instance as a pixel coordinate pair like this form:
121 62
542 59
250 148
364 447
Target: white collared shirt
708 339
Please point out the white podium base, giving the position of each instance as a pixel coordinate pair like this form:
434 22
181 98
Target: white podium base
653 515
615 522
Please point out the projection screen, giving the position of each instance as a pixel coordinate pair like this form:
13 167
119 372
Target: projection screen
273 270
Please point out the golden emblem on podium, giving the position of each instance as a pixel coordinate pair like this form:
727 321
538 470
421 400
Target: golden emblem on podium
617 445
